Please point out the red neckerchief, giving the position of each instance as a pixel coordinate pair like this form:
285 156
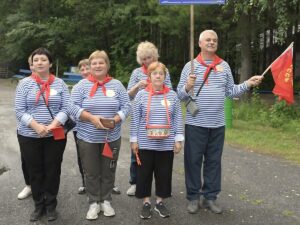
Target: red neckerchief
45 86
98 83
164 90
217 60
145 71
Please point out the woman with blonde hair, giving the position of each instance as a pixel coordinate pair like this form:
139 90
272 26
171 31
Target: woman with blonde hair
146 54
104 104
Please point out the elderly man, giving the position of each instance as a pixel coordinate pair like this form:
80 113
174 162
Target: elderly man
205 131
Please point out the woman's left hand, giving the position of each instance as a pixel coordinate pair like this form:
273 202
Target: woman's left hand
177 147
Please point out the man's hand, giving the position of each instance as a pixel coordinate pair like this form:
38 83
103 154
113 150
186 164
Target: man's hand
190 82
254 81
177 147
134 147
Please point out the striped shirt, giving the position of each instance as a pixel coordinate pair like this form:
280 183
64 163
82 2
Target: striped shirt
138 75
115 102
212 96
157 116
27 108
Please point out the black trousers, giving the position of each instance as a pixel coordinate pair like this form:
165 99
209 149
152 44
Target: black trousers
43 158
78 158
159 163
24 168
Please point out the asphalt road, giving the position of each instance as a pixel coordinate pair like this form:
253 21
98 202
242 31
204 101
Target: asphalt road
256 189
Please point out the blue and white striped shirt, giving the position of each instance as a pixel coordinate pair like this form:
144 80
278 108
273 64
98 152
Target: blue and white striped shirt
212 96
27 109
138 75
115 102
157 116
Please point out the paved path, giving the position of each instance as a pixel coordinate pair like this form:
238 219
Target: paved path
256 189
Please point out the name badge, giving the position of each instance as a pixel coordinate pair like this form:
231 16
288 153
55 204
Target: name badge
110 93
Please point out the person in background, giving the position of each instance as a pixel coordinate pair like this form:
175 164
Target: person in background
26 192
100 98
146 54
205 132
84 70
156 133
43 154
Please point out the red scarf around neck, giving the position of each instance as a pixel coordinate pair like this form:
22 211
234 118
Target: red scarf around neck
164 90
217 60
44 86
98 83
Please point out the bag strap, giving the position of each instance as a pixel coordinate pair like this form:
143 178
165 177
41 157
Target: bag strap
148 108
45 101
201 86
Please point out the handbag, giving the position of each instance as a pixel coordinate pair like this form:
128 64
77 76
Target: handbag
157 131
191 104
69 124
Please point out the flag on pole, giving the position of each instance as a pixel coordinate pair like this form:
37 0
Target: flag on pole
282 71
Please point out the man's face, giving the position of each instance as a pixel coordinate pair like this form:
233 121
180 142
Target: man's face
209 42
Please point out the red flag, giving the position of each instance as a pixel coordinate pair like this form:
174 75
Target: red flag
282 71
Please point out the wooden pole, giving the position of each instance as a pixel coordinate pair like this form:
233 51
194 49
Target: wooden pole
192 38
269 67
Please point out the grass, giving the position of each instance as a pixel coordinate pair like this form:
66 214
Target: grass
260 137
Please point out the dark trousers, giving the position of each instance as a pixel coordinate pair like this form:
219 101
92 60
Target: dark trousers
133 168
99 170
159 163
78 158
24 168
43 158
203 145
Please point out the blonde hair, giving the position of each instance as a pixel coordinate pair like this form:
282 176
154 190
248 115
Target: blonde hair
144 49
201 36
30 60
83 62
153 66
100 54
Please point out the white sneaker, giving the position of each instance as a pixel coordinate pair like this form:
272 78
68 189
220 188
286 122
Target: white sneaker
107 209
131 190
25 192
94 209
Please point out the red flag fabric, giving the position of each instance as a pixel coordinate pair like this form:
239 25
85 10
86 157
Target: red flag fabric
282 71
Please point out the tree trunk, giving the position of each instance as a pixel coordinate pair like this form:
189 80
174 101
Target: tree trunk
246 56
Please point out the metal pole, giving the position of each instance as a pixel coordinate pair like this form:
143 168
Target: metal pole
192 38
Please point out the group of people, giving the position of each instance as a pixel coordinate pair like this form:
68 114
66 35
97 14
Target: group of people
100 104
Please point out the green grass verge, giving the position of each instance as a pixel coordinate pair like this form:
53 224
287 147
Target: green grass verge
258 137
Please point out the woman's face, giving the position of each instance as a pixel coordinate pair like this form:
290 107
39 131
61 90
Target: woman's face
147 60
41 64
99 68
84 70
157 77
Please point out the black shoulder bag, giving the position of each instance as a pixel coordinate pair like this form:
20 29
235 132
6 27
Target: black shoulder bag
190 103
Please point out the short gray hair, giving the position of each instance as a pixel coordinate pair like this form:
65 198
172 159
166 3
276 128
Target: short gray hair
206 31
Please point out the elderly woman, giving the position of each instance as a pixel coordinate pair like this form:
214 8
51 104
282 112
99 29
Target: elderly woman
43 154
103 103
156 133
146 54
